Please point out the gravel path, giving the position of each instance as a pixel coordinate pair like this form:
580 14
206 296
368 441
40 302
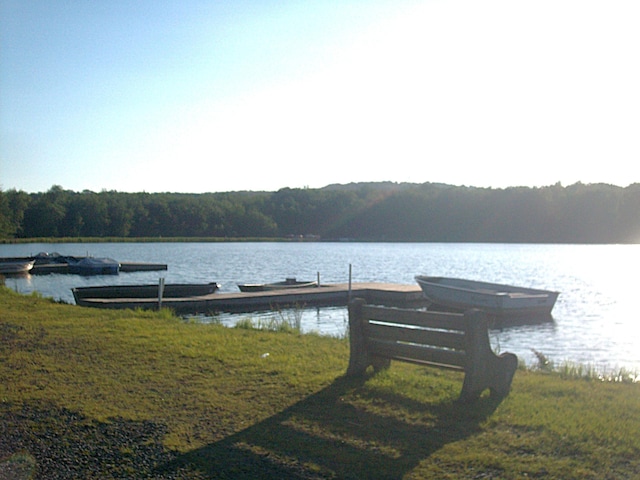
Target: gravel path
66 445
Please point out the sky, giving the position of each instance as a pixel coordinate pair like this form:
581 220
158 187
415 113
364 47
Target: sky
213 96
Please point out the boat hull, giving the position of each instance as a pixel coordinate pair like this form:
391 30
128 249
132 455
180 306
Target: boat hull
496 299
266 287
171 290
15 267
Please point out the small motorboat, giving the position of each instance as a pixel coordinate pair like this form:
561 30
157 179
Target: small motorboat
46 258
94 266
495 299
169 290
287 284
15 267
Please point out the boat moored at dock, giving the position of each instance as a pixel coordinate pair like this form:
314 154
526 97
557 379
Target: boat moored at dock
46 263
496 299
94 266
289 283
84 295
15 267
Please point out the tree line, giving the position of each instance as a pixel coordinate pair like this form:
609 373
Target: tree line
385 211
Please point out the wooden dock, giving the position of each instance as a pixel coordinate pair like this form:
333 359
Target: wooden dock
63 268
242 302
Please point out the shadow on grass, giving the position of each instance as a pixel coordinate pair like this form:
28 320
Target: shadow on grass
344 431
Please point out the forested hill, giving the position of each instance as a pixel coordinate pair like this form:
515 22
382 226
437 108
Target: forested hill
594 213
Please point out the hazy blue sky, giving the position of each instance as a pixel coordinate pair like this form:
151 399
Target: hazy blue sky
198 96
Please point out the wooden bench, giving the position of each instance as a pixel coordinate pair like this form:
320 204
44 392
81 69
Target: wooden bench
449 340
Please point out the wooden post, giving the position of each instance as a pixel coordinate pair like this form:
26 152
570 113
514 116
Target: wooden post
160 292
349 292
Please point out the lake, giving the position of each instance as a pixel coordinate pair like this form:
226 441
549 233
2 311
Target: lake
596 321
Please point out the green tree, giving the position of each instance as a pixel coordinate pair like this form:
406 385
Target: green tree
43 217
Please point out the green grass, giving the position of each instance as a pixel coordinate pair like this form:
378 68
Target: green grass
117 394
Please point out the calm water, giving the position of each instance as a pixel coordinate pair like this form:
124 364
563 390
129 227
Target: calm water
596 320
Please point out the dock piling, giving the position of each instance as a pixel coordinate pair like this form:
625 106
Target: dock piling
160 292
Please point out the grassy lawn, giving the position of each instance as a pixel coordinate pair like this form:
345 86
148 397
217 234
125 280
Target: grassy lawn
90 393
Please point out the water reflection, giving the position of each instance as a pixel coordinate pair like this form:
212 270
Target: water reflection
506 322
332 321
19 282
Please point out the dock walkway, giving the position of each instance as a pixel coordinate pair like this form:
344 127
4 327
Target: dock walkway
242 302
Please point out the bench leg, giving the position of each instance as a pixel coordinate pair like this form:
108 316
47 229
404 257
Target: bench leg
359 357
500 382
496 375
484 368
380 363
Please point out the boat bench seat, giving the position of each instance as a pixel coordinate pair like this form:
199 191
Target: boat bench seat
378 335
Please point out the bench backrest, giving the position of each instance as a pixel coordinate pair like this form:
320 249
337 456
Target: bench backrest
416 336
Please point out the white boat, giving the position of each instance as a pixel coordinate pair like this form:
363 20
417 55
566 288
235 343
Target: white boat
15 267
494 298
